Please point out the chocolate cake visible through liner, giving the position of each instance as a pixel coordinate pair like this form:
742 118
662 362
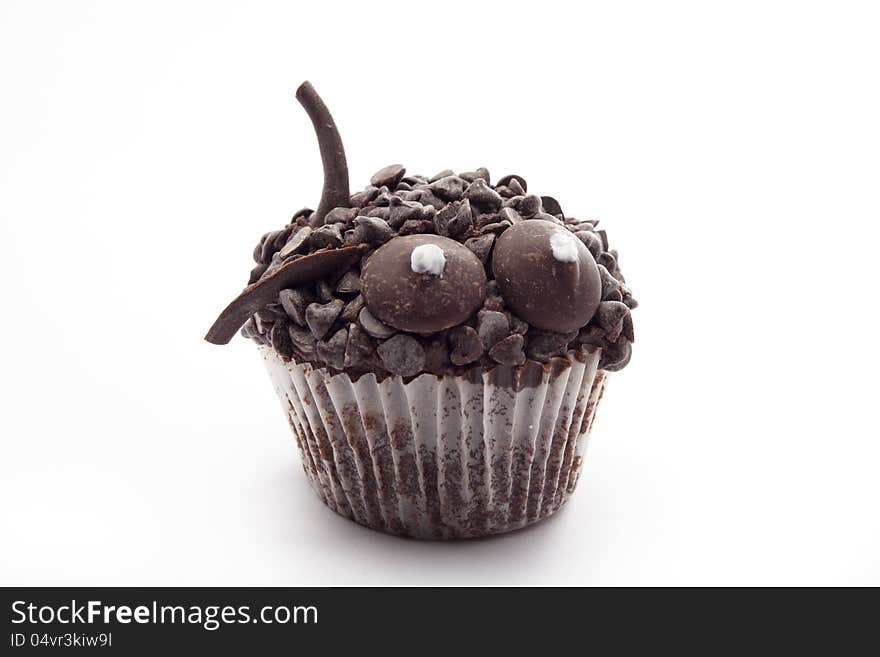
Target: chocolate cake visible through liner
517 310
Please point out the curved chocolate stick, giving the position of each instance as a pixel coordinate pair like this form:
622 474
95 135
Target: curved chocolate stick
265 291
335 193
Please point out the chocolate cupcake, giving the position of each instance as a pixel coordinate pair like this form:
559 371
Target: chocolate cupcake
439 344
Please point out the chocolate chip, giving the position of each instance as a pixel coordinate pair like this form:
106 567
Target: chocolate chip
510 215
262 325
480 174
340 215
402 355
276 264
512 179
530 206
360 199
492 327
449 188
388 176
610 285
269 315
610 316
359 348
616 357
509 351
462 221
505 192
429 198
593 336
480 193
630 302
380 213
442 174
465 345
551 205
604 237
613 295
443 217
296 242
280 339
256 272
324 291
544 346
282 236
517 325
320 317
373 326
402 211
352 309
268 248
294 303
481 246
258 250
332 351
627 330
416 227
436 353
327 236
607 260
517 187
592 241
301 216
303 340
349 282
413 195
497 228
578 225
372 230
493 302
249 329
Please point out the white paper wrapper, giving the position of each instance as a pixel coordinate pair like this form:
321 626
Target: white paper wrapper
442 457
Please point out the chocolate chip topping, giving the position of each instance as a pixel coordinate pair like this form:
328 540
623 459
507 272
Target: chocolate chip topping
336 287
402 355
492 327
373 326
423 303
551 205
466 345
320 317
332 351
294 303
480 193
388 176
509 351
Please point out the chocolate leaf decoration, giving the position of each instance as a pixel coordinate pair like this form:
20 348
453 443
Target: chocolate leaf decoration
296 272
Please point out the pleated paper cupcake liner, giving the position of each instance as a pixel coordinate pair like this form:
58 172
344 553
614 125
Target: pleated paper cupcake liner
442 457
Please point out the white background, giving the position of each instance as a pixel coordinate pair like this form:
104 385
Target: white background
732 150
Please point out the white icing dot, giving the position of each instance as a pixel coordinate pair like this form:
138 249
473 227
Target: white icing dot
563 246
428 259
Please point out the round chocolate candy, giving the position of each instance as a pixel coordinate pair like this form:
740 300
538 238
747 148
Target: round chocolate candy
422 291
547 276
